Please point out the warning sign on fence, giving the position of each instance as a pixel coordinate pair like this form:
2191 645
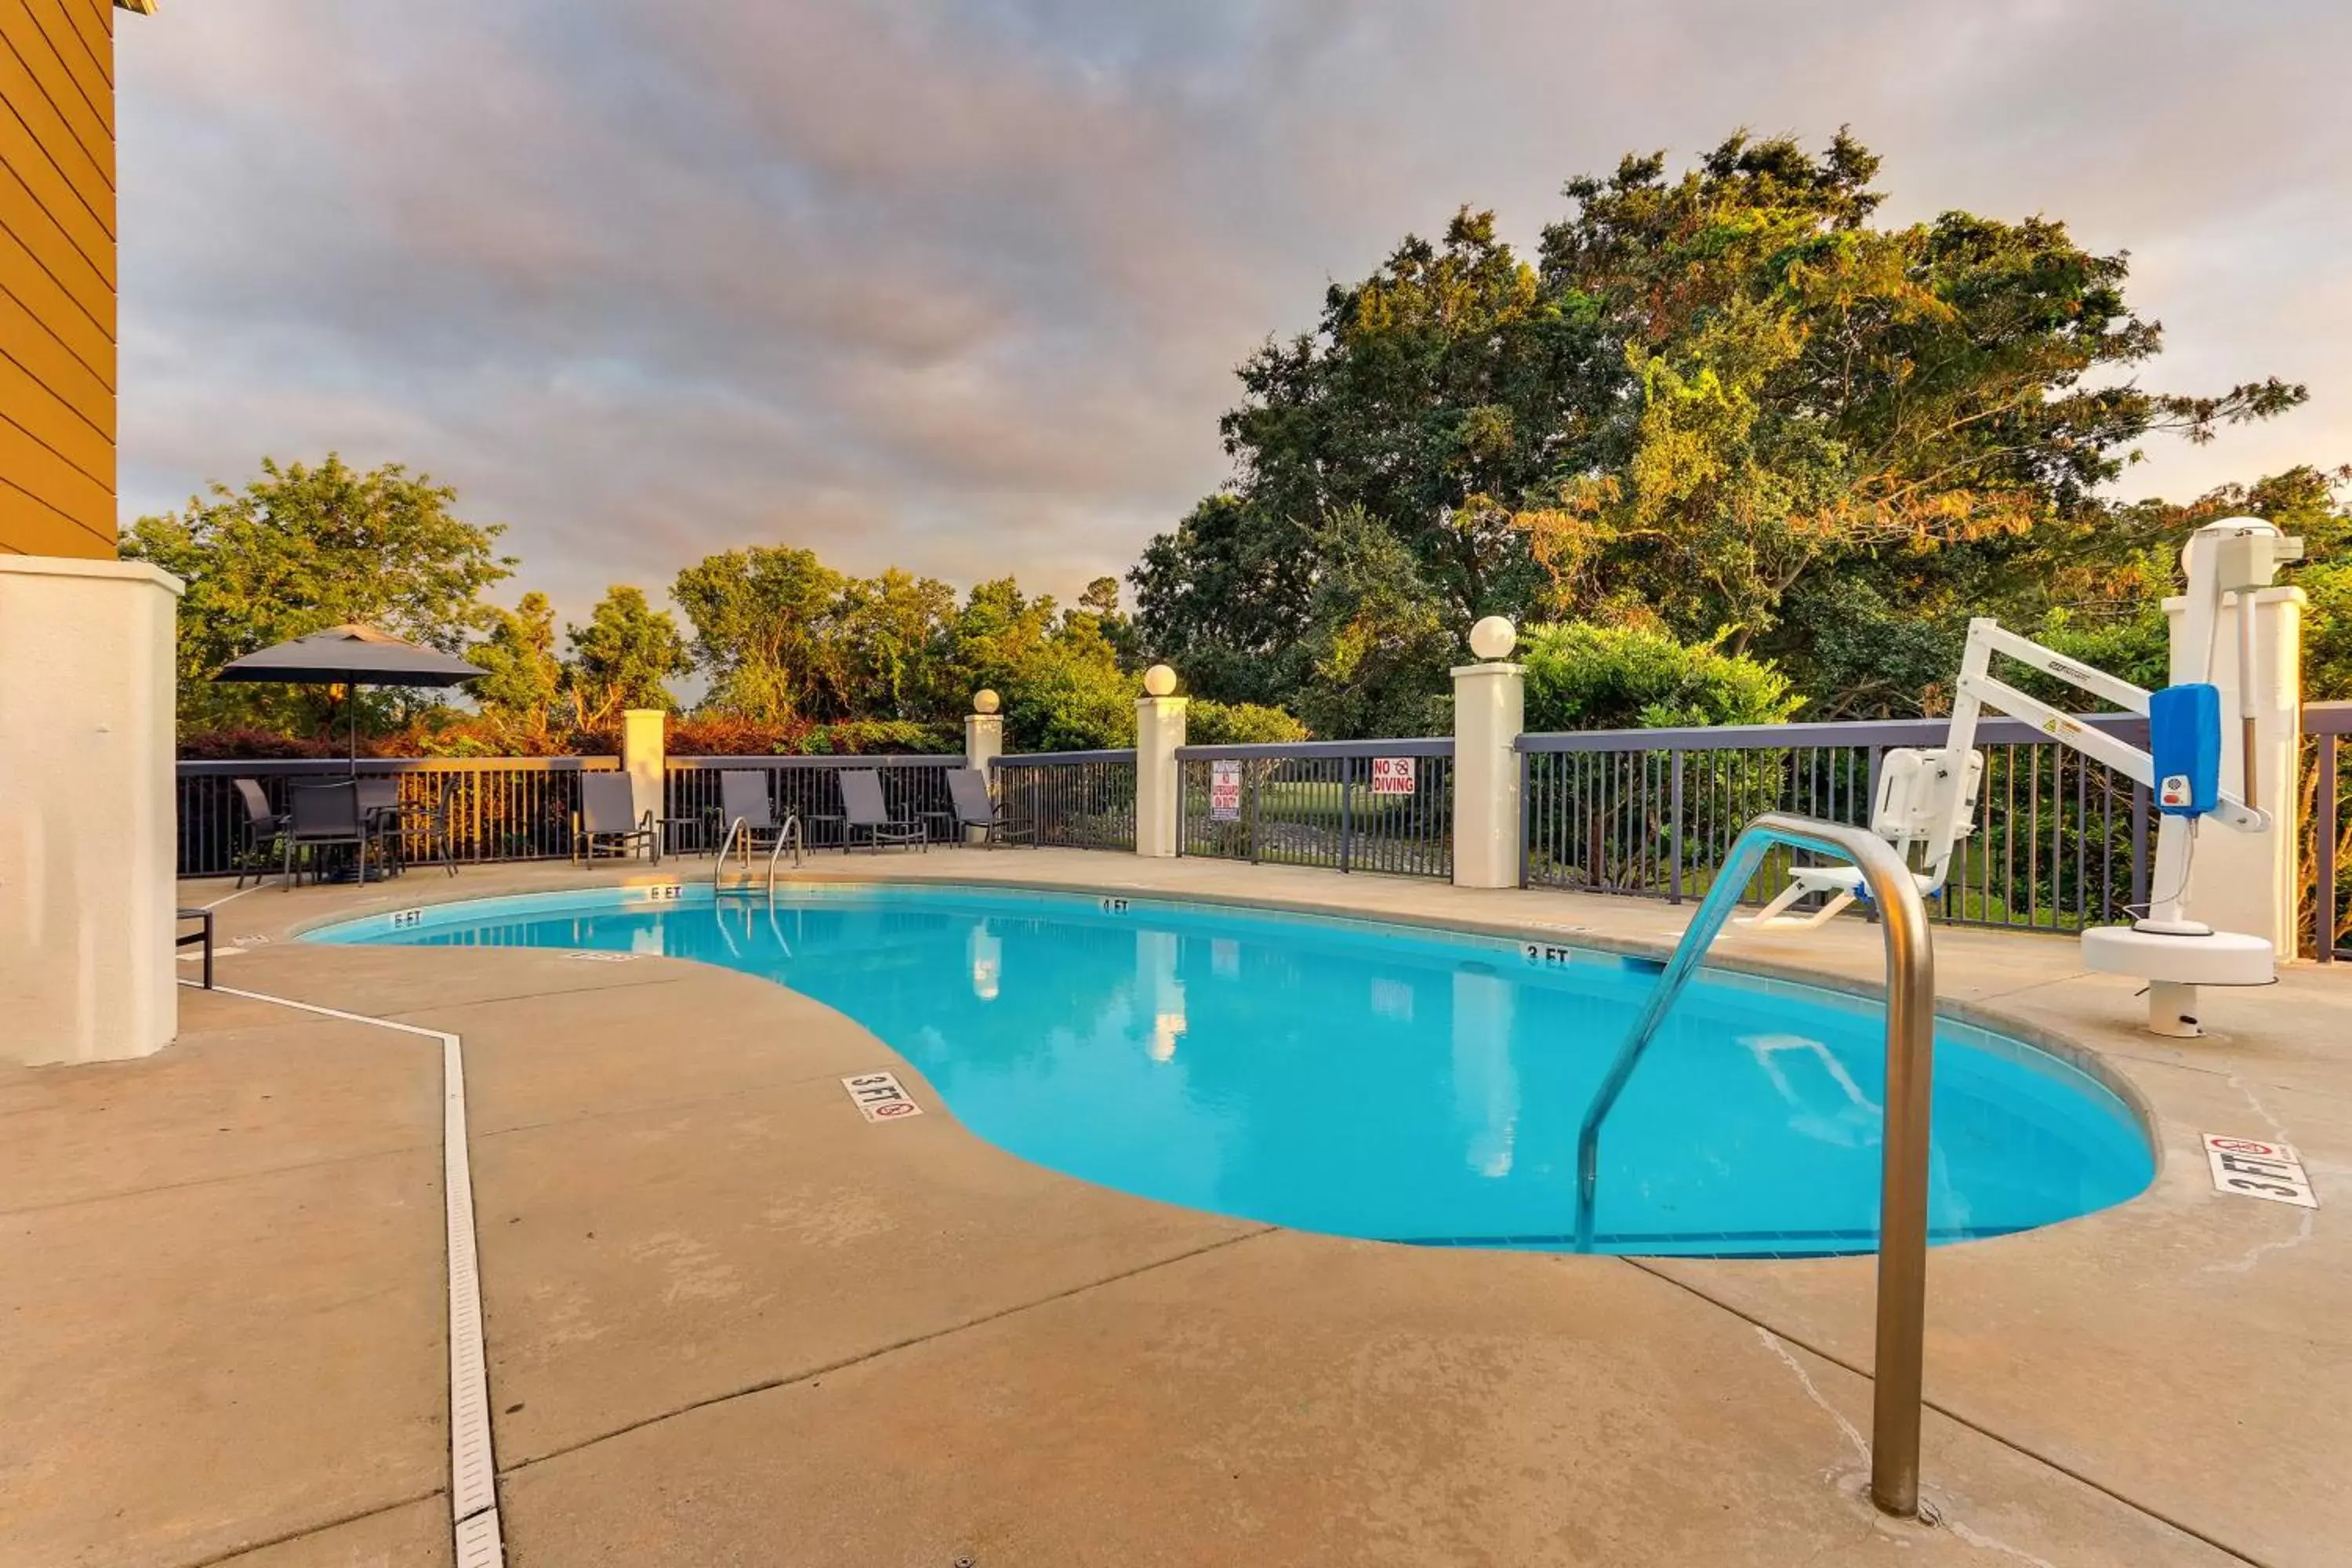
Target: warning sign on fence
1224 791
1391 775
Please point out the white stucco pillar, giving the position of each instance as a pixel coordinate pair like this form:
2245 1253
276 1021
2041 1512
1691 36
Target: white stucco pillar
983 740
983 743
1159 782
88 817
1489 711
644 742
2249 881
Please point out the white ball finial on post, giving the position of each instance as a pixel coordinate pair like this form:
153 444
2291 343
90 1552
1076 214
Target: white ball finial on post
983 743
1159 731
1489 711
1493 637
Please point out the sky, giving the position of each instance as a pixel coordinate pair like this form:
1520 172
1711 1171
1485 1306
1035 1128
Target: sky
960 285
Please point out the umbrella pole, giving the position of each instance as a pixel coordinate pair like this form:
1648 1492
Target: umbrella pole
351 703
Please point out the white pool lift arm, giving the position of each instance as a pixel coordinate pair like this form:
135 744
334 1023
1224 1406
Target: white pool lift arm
1928 798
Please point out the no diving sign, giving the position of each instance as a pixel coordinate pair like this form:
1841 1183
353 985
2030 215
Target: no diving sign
879 1098
2259 1168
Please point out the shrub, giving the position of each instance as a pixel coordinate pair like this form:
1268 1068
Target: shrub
1586 676
1208 723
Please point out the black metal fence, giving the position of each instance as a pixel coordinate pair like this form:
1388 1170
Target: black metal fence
1070 800
2059 841
1351 806
2323 811
501 808
914 789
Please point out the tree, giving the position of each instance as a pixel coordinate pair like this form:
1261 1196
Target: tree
1378 639
1711 400
761 632
1068 693
995 634
522 677
623 656
893 632
1812 388
1449 377
301 549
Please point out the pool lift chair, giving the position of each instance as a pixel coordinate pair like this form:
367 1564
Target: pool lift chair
1918 791
1928 797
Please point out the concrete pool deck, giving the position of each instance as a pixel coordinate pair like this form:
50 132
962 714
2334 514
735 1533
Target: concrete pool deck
727 1320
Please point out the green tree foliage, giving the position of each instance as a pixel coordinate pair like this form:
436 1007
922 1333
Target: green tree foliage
1379 639
1727 405
1068 694
304 548
1208 722
891 632
760 630
623 659
522 675
1586 676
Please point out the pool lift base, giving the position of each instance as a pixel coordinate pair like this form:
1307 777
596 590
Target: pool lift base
2175 957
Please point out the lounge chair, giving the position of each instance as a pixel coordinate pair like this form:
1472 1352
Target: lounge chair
862 806
968 791
321 815
257 851
606 817
743 800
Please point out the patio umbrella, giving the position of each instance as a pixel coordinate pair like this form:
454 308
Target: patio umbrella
349 656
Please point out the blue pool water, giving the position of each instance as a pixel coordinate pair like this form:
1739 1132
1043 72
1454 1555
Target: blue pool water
1378 1081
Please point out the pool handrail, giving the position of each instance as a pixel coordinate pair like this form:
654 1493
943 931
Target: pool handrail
1910 1071
739 832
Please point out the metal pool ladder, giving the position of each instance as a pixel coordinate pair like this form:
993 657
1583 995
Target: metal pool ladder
738 833
1910 1069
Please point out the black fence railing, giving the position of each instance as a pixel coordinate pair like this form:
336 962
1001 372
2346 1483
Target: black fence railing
500 808
914 789
1070 800
2058 841
2323 811
1350 805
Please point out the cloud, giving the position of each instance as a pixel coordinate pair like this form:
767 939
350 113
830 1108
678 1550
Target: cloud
960 284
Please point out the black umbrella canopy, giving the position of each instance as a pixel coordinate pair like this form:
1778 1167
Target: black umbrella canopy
351 655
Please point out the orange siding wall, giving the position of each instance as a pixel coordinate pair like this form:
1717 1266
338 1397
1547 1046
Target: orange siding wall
56 278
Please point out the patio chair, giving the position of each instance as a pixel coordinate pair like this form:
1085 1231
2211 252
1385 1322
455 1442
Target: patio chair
968 791
256 850
380 811
318 818
605 817
744 811
862 806
437 823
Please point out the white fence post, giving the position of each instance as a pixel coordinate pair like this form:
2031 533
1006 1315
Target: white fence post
1159 731
1489 712
983 743
2249 882
645 757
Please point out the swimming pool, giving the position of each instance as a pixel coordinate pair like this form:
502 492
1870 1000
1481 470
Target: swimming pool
1373 1081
